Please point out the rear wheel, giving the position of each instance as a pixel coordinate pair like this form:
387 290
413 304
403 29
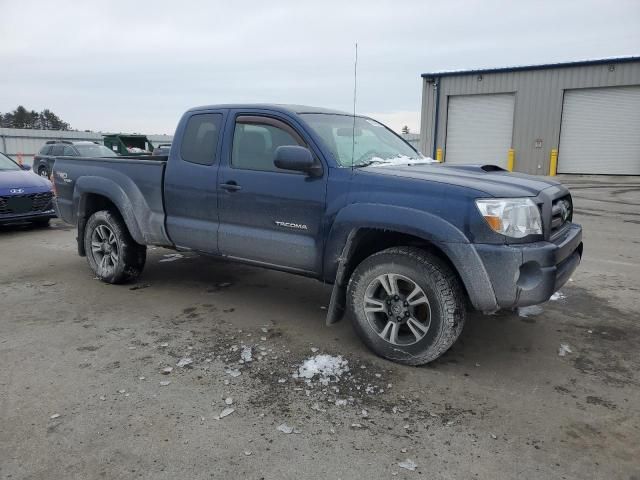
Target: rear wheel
408 306
43 172
111 252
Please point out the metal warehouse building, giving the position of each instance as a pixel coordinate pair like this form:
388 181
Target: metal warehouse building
583 117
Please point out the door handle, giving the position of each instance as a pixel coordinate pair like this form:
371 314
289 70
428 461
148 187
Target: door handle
230 186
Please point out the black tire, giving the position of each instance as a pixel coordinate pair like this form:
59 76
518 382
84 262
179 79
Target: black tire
445 305
43 172
125 258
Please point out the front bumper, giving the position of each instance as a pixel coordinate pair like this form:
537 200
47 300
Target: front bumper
528 274
27 217
27 206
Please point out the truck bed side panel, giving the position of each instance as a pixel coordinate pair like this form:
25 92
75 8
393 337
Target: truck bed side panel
133 186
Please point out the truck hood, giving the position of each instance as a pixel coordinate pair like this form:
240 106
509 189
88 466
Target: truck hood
22 179
488 179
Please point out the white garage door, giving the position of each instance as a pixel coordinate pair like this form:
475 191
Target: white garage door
479 129
600 131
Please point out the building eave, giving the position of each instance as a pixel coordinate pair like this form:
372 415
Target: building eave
521 68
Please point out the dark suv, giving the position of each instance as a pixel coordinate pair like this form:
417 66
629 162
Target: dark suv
43 161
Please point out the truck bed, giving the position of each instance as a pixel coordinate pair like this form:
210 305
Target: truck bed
134 184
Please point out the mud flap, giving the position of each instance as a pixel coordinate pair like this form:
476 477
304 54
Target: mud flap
337 304
82 223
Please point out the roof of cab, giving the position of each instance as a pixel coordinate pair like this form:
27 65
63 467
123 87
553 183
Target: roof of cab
284 108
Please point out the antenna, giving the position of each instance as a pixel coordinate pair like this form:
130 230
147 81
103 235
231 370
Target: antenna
355 85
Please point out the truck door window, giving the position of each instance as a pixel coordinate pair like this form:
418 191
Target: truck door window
200 138
255 142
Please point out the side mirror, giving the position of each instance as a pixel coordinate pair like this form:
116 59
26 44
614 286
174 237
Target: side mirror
25 167
300 159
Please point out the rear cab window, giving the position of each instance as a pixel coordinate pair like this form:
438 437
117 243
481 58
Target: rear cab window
200 138
45 150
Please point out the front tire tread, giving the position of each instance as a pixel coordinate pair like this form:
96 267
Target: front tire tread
448 292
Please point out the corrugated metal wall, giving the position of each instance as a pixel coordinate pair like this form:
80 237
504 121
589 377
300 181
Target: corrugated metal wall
23 142
538 106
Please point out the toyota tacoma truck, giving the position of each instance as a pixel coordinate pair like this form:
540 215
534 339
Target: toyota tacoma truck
409 244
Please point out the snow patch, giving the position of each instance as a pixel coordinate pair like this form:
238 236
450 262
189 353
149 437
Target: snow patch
246 354
284 428
326 368
408 465
558 296
226 412
530 311
172 257
183 362
564 349
401 160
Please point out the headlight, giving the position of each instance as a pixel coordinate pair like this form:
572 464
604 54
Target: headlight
513 217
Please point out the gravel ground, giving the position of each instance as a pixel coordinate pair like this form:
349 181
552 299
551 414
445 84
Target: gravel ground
83 392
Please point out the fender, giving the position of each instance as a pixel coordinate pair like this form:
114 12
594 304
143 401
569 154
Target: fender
141 229
431 228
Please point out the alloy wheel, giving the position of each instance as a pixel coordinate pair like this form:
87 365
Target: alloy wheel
104 247
397 309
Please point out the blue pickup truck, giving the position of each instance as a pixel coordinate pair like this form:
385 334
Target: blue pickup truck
408 244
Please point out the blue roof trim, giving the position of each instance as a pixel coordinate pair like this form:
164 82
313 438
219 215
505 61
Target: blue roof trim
276 107
580 63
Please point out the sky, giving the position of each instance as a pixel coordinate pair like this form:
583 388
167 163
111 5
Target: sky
136 66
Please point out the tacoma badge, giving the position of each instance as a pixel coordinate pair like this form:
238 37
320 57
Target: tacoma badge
298 226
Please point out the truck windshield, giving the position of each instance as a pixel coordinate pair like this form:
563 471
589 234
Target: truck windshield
94 151
7 164
373 143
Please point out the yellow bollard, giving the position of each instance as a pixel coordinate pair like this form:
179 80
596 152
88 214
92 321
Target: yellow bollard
553 162
511 159
439 155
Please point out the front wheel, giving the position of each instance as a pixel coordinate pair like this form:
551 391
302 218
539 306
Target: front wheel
408 305
111 252
43 172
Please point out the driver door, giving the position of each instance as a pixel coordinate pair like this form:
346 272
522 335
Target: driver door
268 215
